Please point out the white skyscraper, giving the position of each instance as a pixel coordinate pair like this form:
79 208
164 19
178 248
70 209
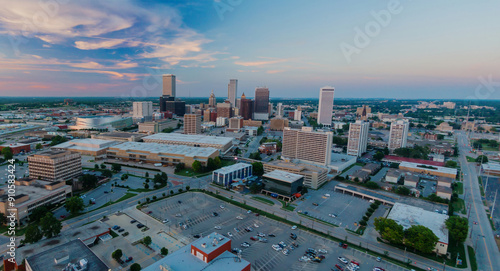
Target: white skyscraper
142 110
325 105
297 115
232 91
398 134
358 138
279 110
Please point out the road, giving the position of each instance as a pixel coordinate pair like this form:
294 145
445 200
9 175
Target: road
481 237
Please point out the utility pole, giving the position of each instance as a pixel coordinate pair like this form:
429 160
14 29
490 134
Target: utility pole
486 186
493 208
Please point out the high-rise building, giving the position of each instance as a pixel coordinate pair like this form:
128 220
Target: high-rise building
362 112
279 110
169 85
192 124
261 105
224 110
232 91
358 138
176 107
246 108
55 165
142 111
212 100
307 145
398 134
235 124
325 105
297 115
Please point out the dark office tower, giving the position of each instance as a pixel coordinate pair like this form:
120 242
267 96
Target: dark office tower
176 107
163 103
232 91
246 107
261 109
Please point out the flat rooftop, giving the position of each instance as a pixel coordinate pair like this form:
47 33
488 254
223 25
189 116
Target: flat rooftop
86 144
296 166
165 149
283 176
444 189
123 135
219 140
75 250
211 242
232 168
13 145
52 154
407 216
35 191
392 172
491 166
338 159
426 167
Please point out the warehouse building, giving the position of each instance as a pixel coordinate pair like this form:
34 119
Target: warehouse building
86 146
427 169
221 143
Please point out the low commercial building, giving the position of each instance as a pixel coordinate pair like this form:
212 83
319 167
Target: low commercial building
16 147
253 123
339 162
431 170
154 127
444 127
407 216
251 130
268 148
31 194
209 253
411 180
227 175
74 255
221 143
55 165
86 146
360 176
161 153
314 176
393 175
444 192
120 136
445 182
284 183
371 168
278 124
491 168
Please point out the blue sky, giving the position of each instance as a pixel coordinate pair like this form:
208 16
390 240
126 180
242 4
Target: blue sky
394 49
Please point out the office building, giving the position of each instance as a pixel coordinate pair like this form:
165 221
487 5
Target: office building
261 104
362 112
212 101
307 145
192 124
227 175
235 124
232 91
74 256
86 146
358 138
221 121
161 153
278 124
325 109
221 143
297 115
398 135
175 106
246 107
208 253
279 110
154 127
224 110
31 194
55 165
169 85
314 176
142 111
283 183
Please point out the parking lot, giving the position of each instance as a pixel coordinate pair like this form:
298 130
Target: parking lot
427 187
196 212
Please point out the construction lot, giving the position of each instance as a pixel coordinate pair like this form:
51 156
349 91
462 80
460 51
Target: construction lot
196 211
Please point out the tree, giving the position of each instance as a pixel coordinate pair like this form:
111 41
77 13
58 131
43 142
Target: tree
179 167
136 266
386 151
164 251
196 166
38 213
482 159
260 130
255 156
403 190
103 166
39 146
389 230
440 137
117 254
218 162
304 190
74 205
146 186
50 225
3 219
188 187
450 163
58 140
458 228
257 168
180 190
378 156
7 153
372 185
116 167
88 181
210 164
96 166
107 173
171 192
255 188
32 234
421 238
147 241
146 175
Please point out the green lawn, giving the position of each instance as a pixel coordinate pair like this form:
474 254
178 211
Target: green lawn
263 200
126 196
470 159
187 172
459 206
472 258
459 188
481 185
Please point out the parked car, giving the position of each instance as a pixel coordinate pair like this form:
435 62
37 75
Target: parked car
271 235
338 268
165 221
229 234
150 212
140 226
133 221
121 230
196 236
315 204
245 244
253 238
343 260
293 236
294 227
322 251
217 227
179 201
129 259
342 245
221 206
354 262
215 214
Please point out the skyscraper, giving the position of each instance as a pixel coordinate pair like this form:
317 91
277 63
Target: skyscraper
398 134
192 124
224 110
169 85
261 108
212 100
246 107
232 91
279 110
142 111
306 145
358 138
325 105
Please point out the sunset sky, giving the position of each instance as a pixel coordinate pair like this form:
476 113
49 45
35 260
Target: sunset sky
422 49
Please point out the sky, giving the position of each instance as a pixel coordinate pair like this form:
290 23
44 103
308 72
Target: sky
375 49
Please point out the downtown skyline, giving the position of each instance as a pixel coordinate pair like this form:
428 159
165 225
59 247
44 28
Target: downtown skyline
389 49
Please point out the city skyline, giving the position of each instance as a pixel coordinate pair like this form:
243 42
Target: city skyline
376 50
